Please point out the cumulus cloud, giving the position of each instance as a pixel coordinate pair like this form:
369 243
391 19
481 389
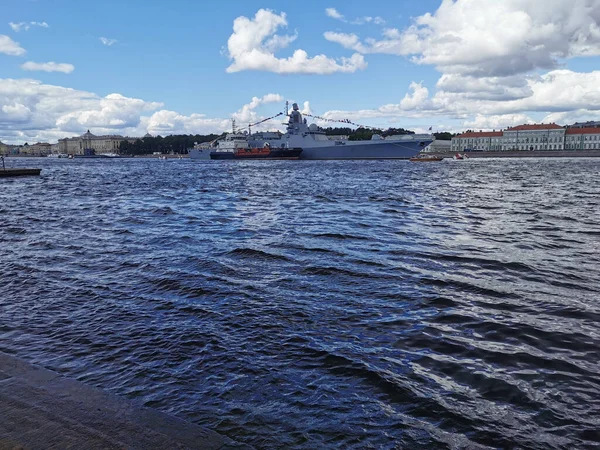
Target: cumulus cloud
416 99
253 44
497 122
108 42
34 111
112 111
165 122
491 38
10 47
48 67
30 108
24 26
306 108
558 94
335 14
248 114
487 88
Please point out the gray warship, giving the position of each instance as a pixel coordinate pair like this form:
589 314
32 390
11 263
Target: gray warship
316 145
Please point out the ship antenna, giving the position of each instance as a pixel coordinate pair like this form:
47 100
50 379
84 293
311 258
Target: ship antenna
287 108
233 125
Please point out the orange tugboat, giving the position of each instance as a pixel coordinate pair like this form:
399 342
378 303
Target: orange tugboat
258 153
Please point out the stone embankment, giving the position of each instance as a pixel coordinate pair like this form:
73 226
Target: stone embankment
39 409
527 154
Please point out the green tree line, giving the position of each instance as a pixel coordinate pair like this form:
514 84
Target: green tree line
179 144
361 134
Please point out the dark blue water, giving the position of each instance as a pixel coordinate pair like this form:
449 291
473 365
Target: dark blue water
306 304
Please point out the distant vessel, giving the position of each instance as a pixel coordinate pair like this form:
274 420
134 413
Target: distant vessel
315 144
226 144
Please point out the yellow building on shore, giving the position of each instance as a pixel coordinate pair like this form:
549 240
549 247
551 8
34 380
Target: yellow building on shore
89 143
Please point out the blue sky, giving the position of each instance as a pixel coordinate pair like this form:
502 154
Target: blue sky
180 67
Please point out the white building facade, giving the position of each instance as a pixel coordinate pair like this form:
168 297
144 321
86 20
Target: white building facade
547 137
483 141
585 138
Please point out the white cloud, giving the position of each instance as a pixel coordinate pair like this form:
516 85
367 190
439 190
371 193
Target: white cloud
334 14
165 122
30 109
492 38
10 47
417 99
247 114
253 44
34 111
497 122
306 108
486 88
346 40
26 25
107 41
560 96
48 67
491 55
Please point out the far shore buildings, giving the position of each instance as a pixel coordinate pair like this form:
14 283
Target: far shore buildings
90 144
548 137
86 144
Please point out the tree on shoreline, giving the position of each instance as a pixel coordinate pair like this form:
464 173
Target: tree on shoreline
176 144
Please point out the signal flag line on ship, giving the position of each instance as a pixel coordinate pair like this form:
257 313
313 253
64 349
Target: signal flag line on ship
347 121
264 120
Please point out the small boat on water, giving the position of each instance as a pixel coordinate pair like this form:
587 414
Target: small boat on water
16 172
458 156
426 158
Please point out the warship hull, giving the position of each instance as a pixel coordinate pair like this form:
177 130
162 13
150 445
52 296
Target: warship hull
200 154
368 150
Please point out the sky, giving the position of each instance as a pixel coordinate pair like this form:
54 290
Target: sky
132 67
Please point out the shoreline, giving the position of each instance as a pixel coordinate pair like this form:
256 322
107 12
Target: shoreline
523 154
40 408
446 154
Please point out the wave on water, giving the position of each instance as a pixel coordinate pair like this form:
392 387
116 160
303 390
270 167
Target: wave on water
304 304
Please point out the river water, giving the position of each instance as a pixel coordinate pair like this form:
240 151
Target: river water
309 304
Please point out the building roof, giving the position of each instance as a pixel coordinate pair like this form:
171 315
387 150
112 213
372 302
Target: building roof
586 130
480 134
589 123
536 126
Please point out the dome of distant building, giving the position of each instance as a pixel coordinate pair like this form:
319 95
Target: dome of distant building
148 135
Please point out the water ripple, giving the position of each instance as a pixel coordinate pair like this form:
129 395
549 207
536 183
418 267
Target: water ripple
371 304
